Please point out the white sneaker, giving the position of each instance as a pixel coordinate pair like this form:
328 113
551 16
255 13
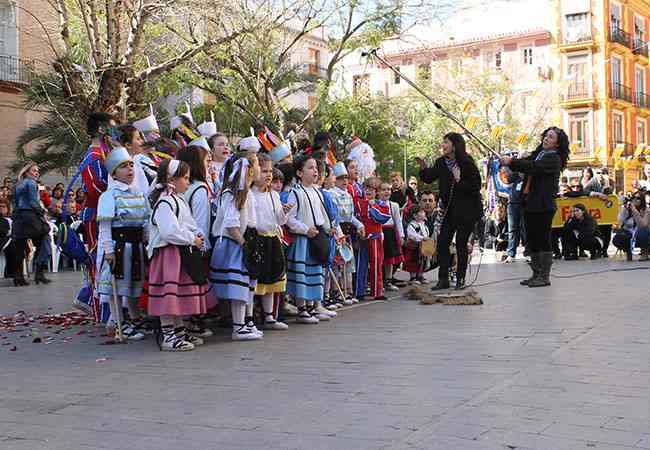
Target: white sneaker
392 287
322 310
508 260
130 332
355 300
197 328
251 326
244 334
416 282
174 343
288 309
275 325
194 340
305 317
348 302
332 306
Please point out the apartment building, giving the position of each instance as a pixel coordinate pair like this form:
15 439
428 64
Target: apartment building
602 59
24 29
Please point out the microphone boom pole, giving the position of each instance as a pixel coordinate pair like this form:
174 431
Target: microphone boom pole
443 111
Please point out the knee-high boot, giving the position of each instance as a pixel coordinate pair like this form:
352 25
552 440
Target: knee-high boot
545 263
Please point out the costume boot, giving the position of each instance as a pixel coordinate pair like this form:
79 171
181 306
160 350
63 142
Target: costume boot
545 263
19 275
535 266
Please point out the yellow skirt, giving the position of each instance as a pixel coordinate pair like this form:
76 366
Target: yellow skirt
277 287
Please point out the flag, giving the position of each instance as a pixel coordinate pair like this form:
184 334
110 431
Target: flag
522 138
573 147
618 151
497 131
472 121
640 148
467 106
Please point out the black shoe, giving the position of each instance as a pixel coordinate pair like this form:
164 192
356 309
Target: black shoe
441 285
460 284
595 255
39 277
571 258
628 256
557 256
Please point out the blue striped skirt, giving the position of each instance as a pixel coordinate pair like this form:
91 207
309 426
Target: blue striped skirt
305 278
228 275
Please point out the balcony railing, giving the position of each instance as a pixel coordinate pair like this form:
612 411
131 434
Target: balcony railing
15 70
640 48
619 36
576 36
576 91
621 92
642 100
628 149
314 70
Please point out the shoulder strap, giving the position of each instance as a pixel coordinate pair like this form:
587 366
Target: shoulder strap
189 203
310 205
176 211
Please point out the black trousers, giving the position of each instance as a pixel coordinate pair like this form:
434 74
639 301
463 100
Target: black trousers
606 233
538 230
571 243
10 257
462 230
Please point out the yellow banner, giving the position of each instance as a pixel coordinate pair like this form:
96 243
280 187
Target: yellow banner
599 209
467 106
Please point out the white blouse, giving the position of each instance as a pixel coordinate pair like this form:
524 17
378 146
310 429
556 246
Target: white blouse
300 215
417 231
169 226
268 208
200 208
228 216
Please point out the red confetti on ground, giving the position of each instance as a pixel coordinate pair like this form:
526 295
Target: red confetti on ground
13 349
37 340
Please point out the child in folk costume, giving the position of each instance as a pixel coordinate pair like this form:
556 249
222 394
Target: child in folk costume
149 132
177 281
198 197
122 215
416 232
271 215
355 186
231 279
373 214
393 237
307 219
350 226
326 308
133 141
220 153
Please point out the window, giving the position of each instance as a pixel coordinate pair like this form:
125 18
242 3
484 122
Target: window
617 72
579 131
618 127
577 28
457 63
639 78
497 60
641 136
576 74
639 31
528 56
424 72
615 16
8 30
361 85
396 75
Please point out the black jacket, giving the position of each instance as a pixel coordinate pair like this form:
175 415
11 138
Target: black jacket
5 232
466 205
545 177
587 228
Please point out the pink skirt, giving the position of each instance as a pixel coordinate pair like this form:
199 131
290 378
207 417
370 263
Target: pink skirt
171 290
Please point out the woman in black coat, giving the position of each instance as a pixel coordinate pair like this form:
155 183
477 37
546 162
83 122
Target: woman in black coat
460 193
581 231
542 175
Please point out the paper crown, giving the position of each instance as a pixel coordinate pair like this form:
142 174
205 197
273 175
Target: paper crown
280 152
340 170
175 122
207 129
201 142
147 124
250 143
116 157
188 115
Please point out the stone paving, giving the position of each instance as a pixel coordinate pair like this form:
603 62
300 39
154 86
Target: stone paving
561 368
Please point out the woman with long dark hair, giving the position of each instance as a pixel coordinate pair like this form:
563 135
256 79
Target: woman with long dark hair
460 193
541 179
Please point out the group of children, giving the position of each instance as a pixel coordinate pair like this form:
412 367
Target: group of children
216 230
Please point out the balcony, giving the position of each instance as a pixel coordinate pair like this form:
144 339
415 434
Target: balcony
577 39
628 149
14 70
619 36
640 48
621 92
576 95
314 70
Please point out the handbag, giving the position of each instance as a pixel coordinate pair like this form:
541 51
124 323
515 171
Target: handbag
192 263
252 253
29 224
319 245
